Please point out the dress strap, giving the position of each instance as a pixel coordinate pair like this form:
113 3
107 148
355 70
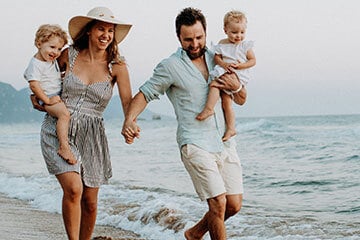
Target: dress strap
110 65
73 53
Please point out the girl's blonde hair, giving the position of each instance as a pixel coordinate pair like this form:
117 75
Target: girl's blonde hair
234 16
47 31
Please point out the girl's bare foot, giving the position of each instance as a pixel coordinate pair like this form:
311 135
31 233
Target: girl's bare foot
188 236
67 155
205 114
228 134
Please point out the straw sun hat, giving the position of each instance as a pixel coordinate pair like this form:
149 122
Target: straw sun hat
102 14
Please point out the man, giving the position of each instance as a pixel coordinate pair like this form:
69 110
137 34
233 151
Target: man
213 165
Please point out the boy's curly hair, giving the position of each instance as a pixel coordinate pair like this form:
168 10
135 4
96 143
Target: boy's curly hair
47 31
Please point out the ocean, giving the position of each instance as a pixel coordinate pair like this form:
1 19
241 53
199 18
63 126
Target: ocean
301 179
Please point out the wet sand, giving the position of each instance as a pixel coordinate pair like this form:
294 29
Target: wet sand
19 221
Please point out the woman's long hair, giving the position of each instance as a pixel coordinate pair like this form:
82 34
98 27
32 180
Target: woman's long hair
81 41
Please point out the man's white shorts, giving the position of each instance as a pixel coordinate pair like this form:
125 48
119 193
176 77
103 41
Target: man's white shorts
213 173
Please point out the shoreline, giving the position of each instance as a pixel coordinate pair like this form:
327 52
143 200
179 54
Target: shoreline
18 220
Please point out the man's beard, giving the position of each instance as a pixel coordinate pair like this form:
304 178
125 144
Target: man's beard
193 56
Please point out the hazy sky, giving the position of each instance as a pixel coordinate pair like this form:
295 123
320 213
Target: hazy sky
307 51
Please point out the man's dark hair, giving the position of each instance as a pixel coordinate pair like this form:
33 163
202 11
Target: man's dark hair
189 16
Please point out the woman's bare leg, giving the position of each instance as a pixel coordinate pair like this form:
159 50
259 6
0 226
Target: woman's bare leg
88 214
71 207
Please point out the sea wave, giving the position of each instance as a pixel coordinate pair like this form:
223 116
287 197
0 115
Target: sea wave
352 210
302 183
260 125
353 157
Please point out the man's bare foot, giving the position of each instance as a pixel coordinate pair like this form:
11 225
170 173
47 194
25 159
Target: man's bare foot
204 114
188 236
228 134
67 155
101 238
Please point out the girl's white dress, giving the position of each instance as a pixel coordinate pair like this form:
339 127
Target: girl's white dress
232 53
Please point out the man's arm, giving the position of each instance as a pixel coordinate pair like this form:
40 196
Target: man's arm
230 82
130 129
240 97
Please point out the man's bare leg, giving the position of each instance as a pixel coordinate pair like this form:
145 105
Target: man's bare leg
213 221
233 206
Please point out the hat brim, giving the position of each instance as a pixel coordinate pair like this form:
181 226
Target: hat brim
79 22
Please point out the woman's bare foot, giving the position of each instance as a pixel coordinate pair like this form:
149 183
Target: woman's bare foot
205 114
67 155
228 134
188 235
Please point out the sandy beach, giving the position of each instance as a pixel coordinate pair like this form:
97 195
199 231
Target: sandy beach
18 220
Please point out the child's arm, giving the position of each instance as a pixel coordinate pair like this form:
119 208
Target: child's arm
39 93
251 61
218 57
218 60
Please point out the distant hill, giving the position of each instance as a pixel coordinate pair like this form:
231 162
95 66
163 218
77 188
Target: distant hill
16 107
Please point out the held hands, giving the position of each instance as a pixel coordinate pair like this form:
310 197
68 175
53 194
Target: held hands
130 131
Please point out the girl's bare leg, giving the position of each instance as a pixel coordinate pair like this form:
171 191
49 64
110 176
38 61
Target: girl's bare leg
60 111
208 110
229 114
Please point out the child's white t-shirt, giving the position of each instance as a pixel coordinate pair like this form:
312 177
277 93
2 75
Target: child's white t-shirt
47 73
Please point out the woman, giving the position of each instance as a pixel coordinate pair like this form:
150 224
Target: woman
92 67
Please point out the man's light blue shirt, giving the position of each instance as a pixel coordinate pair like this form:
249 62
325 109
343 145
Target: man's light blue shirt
187 90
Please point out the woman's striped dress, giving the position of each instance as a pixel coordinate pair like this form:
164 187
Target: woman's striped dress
88 142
